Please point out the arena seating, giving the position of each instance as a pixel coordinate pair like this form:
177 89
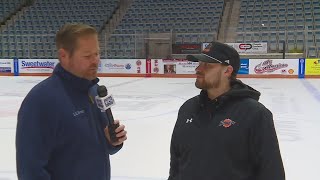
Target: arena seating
297 23
7 7
190 21
32 33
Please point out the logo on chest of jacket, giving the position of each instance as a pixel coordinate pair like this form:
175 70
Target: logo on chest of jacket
189 121
77 113
227 123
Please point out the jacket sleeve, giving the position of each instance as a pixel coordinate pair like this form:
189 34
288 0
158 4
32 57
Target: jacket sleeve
174 163
34 140
114 149
174 154
265 147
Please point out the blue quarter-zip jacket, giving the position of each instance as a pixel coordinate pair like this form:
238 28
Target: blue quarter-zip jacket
60 131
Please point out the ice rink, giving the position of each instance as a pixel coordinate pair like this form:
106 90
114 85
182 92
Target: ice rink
148 107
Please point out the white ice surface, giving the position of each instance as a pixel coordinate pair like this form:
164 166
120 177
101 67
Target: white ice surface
148 107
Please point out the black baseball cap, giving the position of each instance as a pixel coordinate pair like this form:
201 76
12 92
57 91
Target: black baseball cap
216 52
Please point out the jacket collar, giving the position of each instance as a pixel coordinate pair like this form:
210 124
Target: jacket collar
238 90
205 101
75 82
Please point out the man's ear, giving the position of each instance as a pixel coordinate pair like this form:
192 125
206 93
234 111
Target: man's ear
229 70
63 55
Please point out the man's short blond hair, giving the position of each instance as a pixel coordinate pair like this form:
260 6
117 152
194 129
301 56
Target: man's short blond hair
67 36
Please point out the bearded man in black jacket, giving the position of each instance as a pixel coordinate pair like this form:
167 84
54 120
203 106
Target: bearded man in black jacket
224 133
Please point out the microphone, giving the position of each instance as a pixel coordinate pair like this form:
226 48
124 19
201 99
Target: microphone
104 103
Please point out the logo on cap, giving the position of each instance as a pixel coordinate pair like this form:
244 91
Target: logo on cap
207 48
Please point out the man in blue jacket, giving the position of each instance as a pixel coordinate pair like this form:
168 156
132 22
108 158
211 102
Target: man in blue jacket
61 134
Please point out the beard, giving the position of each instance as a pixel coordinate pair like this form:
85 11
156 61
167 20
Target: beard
205 84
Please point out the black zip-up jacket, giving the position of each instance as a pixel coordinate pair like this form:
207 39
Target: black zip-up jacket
229 138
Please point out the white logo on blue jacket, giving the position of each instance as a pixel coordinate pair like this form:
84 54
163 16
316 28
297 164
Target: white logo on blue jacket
77 113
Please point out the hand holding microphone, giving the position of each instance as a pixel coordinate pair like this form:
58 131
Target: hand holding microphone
119 132
115 132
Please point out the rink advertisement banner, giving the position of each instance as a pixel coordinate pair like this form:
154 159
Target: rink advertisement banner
37 65
173 66
312 67
6 66
126 66
244 66
156 66
273 66
250 48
